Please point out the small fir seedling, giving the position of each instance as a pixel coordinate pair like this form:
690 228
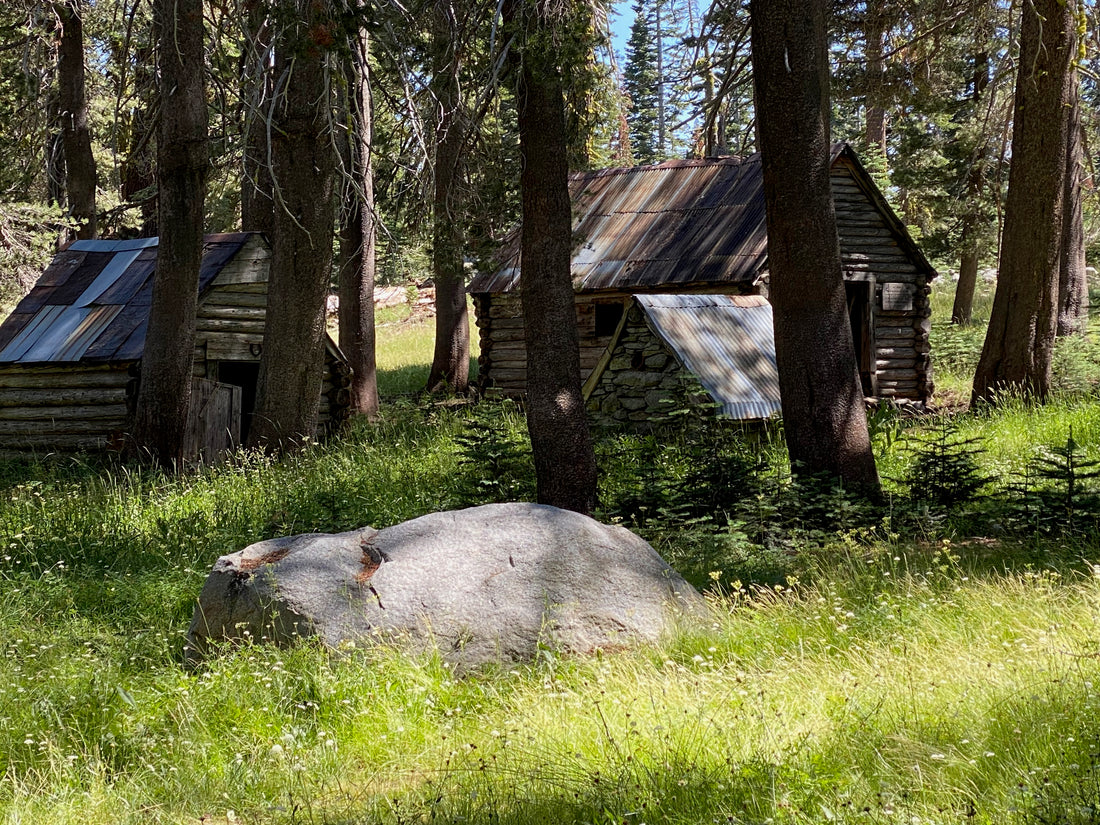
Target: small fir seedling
946 471
1056 494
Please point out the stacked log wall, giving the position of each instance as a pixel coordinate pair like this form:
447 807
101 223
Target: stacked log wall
901 310
502 362
229 326
68 407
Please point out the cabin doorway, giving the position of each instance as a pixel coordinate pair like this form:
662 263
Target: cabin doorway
858 294
244 374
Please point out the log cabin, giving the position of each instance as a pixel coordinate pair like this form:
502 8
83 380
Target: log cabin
697 227
70 352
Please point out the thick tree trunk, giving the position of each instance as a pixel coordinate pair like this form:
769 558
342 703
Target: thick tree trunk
1020 340
357 242
76 134
1073 286
875 103
451 359
304 170
257 108
565 464
962 310
182 160
823 412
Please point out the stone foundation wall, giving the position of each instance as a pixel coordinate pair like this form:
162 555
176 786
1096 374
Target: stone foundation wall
642 383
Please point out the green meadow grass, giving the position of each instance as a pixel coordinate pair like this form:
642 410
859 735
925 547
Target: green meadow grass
893 667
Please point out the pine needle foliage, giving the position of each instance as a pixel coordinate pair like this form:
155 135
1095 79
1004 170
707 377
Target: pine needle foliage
946 467
1055 494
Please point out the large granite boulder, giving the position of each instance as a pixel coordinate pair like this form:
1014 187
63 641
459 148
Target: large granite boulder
488 584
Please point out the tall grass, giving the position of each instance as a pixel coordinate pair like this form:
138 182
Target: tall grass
859 665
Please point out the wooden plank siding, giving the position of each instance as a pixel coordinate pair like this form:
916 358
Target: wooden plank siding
63 407
897 320
870 251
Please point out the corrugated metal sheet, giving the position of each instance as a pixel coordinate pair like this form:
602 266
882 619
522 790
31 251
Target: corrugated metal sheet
93 299
697 222
727 342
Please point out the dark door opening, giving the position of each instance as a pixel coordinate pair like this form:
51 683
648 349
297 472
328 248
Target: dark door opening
244 374
858 294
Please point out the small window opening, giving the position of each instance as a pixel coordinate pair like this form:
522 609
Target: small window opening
607 319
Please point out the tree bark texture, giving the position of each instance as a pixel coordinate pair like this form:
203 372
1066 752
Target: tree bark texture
565 464
875 103
357 241
304 172
1019 342
76 134
1073 286
824 419
451 358
257 104
962 309
182 162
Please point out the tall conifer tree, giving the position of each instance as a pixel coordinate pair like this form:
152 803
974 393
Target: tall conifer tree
641 86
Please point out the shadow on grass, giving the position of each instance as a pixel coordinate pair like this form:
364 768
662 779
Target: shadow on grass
410 379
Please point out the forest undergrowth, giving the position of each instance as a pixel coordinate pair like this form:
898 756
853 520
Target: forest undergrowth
931 658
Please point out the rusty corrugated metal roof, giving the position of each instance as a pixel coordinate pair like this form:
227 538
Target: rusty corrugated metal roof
698 222
695 221
93 300
727 342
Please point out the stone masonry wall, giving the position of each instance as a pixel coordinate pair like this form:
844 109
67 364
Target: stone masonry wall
642 383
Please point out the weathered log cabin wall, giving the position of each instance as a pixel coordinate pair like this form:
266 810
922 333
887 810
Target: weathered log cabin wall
502 362
503 356
229 329
896 317
88 406
900 309
67 407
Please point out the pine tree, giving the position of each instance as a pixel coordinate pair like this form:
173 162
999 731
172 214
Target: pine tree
640 83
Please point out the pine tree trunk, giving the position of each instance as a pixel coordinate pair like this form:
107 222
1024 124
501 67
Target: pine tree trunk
80 171
962 310
182 162
304 170
1019 342
357 241
824 420
1073 287
257 108
875 126
565 464
451 359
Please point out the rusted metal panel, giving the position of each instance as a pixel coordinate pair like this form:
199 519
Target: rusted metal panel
650 225
87 331
92 303
727 342
698 222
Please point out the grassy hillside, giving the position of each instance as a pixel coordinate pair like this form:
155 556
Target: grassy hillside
922 661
